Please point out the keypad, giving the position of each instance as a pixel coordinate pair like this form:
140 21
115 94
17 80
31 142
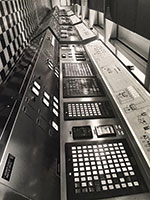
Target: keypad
76 70
102 169
81 87
87 110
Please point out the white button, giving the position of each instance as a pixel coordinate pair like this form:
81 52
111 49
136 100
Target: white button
76 174
123 185
122 180
76 179
88 173
109 181
84 184
83 179
108 176
37 85
81 168
130 184
105 188
132 173
35 91
111 187
75 169
136 183
114 175
46 95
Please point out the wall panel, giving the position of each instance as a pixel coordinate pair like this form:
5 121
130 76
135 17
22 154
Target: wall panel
18 21
143 17
78 2
131 14
96 5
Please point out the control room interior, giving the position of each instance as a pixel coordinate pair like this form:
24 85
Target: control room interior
74 99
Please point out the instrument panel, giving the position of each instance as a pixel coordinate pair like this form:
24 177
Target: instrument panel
97 170
33 126
90 123
83 113
131 98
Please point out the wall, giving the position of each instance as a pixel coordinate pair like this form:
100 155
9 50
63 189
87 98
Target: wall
18 21
133 15
65 2
84 4
55 3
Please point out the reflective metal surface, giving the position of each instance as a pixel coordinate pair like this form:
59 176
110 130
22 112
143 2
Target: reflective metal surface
30 160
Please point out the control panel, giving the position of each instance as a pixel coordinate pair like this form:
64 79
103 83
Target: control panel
81 87
70 34
54 26
66 34
77 69
70 12
87 110
131 98
75 20
102 170
85 33
64 21
73 53
63 12
100 161
12 92
33 124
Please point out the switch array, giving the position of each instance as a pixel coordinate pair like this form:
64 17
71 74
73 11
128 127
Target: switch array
105 169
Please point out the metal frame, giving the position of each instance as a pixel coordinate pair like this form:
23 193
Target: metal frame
147 78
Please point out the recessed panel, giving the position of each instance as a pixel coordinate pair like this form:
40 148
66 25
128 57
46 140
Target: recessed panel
87 110
76 70
102 169
81 87
82 132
